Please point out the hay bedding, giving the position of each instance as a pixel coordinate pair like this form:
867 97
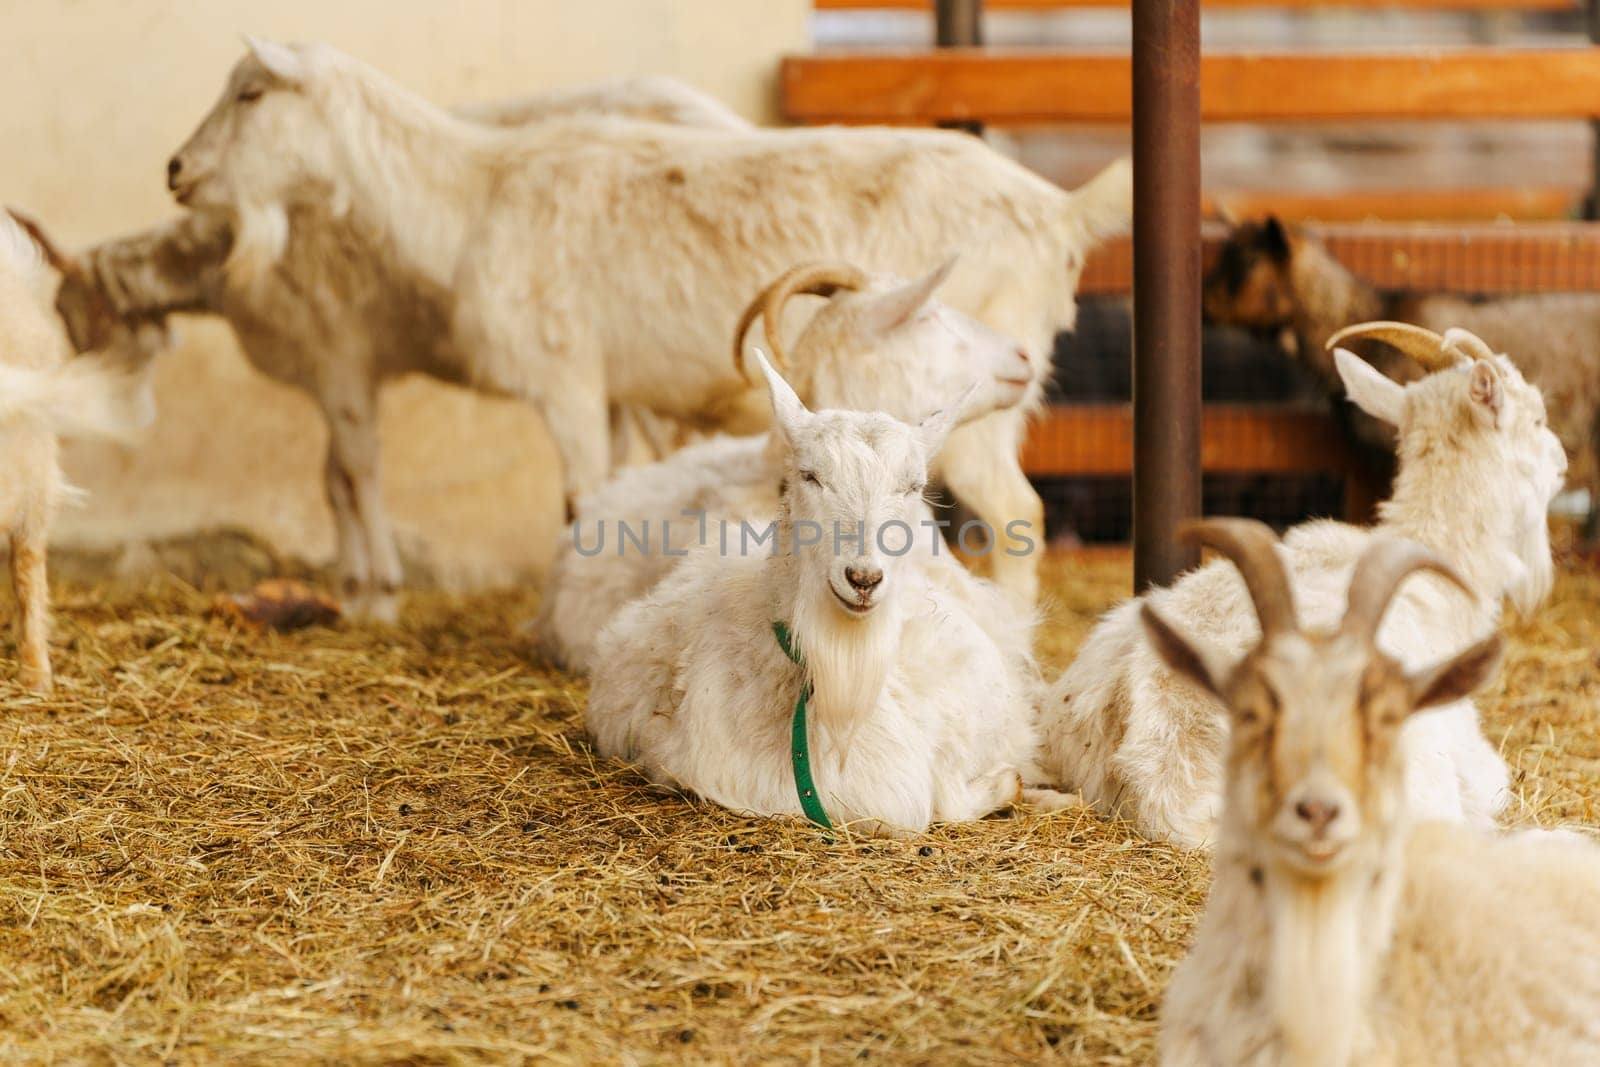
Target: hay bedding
393 846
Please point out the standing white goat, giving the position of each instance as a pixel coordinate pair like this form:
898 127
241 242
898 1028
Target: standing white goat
598 261
44 394
1335 933
879 344
914 714
331 318
1478 468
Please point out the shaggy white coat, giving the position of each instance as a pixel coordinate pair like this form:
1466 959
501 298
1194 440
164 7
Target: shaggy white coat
1478 468
916 716
1364 940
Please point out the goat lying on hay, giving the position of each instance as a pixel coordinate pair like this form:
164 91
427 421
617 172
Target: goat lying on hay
1336 933
915 714
1478 468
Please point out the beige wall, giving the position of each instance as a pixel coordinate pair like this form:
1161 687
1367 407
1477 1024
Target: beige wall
95 95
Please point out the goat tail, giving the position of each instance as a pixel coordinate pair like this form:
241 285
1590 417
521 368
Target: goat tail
1102 207
88 396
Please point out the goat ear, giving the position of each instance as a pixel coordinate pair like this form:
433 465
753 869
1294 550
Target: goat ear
281 61
1275 239
788 413
895 307
1458 677
1487 388
1194 660
1368 389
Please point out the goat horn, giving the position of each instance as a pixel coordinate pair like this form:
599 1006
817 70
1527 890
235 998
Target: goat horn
1424 346
1252 546
1467 343
810 279
59 260
1378 574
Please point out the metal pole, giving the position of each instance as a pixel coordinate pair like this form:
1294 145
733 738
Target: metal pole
1591 200
1166 285
959 24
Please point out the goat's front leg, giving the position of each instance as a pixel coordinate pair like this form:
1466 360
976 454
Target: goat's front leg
576 413
369 560
29 579
353 568
981 465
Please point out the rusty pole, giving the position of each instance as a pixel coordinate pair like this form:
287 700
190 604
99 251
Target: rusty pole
1166 285
959 24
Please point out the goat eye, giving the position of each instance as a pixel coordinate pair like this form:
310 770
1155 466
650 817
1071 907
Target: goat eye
247 95
811 477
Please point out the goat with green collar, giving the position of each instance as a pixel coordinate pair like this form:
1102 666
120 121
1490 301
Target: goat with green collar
913 713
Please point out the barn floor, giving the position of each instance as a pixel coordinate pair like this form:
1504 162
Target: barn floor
381 845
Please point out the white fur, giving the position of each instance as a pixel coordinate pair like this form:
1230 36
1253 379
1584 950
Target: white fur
1363 940
891 348
43 394
315 305
599 261
1472 486
916 716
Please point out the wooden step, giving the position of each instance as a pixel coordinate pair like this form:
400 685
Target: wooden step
1524 203
1030 87
1426 258
1096 440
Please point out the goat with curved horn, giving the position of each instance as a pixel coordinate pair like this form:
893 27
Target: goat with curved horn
1423 345
807 279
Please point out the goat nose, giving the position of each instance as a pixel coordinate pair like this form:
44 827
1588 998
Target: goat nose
864 579
1317 812
1022 354
174 166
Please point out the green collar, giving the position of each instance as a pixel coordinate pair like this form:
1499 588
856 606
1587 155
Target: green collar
799 744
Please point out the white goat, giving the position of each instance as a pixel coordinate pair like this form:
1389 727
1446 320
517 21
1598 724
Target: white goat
915 715
1478 467
879 344
332 318
1335 933
595 261
44 394
656 99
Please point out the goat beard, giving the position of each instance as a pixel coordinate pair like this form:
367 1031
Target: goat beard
261 233
1318 977
1536 575
847 661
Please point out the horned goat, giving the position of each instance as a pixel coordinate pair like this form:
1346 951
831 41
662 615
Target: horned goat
331 318
1337 932
915 715
593 261
1478 467
1280 280
43 395
879 344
